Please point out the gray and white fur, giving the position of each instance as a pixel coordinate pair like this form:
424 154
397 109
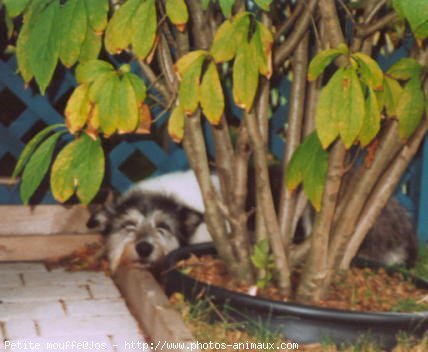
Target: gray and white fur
161 214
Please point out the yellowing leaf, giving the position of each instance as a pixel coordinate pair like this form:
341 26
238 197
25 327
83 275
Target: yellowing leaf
145 120
245 77
176 10
326 115
97 14
391 96
261 44
410 108
212 99
321 61
351 110
370 72
78 167
187 61
91 46
371 123
92 70
127 106
188 92
176 124
78 109
119 30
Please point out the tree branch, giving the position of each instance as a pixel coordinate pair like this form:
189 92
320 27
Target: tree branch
384 189
283 51
365 31
284 27
293 135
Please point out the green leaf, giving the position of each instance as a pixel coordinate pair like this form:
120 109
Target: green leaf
245 77
91 46
187 61
78 167
15 7
134 23
321 61
78 109
144 27
229 36
189 89
264 4
176 10
120 30
261 44
97 11
410 108
73 13
416 12
392 93
23 52
369 70
103 93
44 44
176 124
37 166
128 113
405 69
326 115
212 99
371 124
138 86
226 7
351 109
260 255
93 70
308 165
31 146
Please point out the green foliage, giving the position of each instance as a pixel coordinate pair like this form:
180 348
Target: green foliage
15 7
36 168
369 71
79 167
391 95
263 260
371 123
405 69
107 99
263 4
176 10
134 24
410 107
226 7
309 165
44 38
416 13
32 146
212 99
176 124
323 59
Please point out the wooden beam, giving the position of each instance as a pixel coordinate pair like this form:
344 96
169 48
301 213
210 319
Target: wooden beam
41 247
20 220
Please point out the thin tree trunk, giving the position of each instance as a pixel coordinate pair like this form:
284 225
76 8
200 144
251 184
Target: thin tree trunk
293 137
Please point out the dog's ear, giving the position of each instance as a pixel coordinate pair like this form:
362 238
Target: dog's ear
100 219
191 220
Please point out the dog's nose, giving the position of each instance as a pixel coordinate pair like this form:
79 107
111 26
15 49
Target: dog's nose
144 249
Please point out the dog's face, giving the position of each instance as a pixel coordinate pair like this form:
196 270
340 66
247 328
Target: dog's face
144 227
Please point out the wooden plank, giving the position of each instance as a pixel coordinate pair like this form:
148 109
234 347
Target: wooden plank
31 248
42 220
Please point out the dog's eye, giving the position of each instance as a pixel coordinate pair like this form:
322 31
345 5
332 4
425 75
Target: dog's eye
129 225
163 226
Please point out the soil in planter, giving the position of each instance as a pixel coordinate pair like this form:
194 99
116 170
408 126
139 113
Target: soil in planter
357 290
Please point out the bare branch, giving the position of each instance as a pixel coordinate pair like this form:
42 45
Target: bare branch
383 191
154 80
365 31
283 51
293 135
284 27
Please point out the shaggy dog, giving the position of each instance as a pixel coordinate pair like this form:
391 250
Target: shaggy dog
161 214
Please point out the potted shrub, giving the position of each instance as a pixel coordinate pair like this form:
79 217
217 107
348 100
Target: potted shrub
201 60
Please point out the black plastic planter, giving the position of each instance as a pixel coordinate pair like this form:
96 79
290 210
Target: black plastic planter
297 322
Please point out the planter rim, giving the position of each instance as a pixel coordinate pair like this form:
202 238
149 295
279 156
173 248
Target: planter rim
314 312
